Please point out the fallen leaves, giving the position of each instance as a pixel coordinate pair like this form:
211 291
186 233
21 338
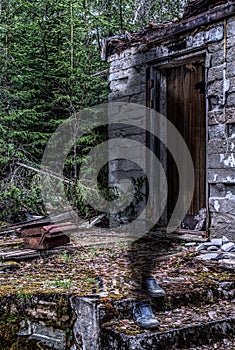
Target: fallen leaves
72 269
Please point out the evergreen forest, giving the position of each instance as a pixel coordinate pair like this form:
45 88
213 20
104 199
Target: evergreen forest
51 69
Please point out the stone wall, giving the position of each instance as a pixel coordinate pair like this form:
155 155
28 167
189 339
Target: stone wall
221 133
36 321
217 41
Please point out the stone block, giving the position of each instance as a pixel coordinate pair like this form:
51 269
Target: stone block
216 50
227 247
133 90
134 50
221 190
231 28
224 206
160 51
218 190
221 116
151 56
134 80
86 329
196 40
224 160
126 81
214 103
116 76
231 133
215 241
215 47
134 61
140 99
230 41
118 63
214 34
230 191
54 338
222 224
225 176
215 73
218 230
118 85
215 88
217 132
126 91
190 244
115 67
230 54
221 146
217 58
230 100
232 84
209 256
231 19
230 70
130 74
113 76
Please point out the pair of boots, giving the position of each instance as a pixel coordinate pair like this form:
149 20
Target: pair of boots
142 312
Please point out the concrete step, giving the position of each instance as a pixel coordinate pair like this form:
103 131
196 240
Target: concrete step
186 319
196 333
200 294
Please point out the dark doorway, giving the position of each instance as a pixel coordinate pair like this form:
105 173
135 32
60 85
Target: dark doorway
186 109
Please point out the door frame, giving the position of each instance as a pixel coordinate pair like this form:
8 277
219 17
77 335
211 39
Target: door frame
156 100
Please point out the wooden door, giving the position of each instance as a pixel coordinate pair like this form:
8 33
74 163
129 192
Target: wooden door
186 110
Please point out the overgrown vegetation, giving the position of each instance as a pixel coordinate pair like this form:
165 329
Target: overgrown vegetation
51 69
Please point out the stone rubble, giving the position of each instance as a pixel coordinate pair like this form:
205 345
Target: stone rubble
228 247
217 249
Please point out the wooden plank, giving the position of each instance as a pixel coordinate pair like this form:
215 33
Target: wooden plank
12 242
191 232
22 254
17 254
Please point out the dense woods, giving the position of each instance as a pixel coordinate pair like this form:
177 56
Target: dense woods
50 69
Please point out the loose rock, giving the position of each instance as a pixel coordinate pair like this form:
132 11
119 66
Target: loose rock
209 256
213 248
228 247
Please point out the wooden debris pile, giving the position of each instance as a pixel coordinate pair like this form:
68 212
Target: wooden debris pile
47 233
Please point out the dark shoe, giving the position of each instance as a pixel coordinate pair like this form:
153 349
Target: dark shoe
150 285
144 317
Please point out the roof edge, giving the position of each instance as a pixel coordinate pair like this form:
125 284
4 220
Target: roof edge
158 33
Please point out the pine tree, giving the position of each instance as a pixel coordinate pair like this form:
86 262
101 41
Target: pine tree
49 57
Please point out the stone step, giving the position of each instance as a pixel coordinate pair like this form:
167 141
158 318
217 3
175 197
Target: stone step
199 295
195 319
193 334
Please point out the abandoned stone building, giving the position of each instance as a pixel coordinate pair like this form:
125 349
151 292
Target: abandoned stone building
186 71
